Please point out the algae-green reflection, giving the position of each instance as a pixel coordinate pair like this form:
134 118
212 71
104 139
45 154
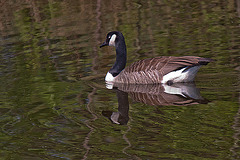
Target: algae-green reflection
52 90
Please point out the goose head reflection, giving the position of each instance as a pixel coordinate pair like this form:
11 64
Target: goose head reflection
177 94
121 116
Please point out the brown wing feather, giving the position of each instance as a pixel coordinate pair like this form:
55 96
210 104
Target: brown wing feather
152 70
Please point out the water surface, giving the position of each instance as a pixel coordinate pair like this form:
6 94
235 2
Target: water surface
53 100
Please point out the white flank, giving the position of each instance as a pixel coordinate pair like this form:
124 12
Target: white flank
109 77
180 76
112 40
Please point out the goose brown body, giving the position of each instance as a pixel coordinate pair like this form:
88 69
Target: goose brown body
152 70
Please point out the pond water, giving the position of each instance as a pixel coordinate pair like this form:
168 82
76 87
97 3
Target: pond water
54 103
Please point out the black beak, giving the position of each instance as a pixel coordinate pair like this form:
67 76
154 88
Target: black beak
104 44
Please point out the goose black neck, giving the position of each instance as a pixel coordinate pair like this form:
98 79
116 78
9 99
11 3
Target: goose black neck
121 57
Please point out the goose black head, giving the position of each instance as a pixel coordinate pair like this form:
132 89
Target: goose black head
112 39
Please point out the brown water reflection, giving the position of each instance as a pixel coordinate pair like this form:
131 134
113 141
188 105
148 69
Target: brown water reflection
178 94
53 90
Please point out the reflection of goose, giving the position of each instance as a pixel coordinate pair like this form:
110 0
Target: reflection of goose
120 117
163 69
178 94
163 94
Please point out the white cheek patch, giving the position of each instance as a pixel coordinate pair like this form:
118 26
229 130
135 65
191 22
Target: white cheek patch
112 40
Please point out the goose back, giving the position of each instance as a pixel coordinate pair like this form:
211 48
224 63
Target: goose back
152 70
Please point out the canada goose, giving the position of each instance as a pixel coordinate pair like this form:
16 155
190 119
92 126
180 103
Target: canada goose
164 69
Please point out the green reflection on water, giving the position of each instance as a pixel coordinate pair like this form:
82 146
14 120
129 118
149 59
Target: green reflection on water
53 93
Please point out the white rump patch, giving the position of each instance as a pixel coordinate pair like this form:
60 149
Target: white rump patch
180 76
109 77
112 40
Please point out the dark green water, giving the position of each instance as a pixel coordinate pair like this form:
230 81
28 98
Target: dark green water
53 99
